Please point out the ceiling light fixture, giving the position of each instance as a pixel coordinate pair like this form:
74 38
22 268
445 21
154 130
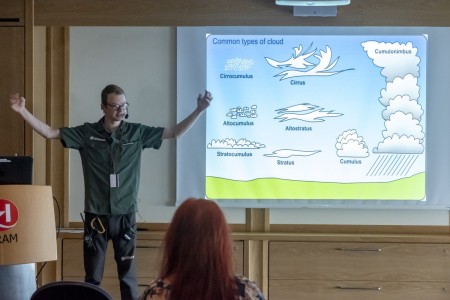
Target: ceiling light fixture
318 8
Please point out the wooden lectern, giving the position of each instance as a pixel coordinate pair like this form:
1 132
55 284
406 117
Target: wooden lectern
27 235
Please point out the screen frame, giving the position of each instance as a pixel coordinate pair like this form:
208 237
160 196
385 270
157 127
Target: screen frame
191 43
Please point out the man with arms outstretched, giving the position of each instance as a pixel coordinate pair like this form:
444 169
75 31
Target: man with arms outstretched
110 151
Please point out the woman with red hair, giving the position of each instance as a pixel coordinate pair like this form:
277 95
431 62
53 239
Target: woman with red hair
197 262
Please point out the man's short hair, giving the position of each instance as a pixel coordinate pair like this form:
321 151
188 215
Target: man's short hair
111 89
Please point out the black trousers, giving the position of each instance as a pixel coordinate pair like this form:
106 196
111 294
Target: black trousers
96 243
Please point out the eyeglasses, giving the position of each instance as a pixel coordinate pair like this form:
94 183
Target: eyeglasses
116 107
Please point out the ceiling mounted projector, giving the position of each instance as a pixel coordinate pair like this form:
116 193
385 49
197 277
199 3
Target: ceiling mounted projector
319 8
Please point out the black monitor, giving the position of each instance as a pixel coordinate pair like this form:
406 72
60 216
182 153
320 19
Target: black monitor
16 170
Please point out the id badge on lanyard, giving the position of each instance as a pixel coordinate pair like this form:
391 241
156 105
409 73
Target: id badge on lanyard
114 180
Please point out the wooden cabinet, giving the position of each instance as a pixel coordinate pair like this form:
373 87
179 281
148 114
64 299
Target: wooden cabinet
147 261
12 74
12 12
335 270
147 258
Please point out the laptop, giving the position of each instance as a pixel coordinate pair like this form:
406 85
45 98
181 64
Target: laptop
16 170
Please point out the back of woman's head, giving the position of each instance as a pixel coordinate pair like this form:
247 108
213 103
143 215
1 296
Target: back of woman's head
198 252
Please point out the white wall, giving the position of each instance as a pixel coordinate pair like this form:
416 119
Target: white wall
143 60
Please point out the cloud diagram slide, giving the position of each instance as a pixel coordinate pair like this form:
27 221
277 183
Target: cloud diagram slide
315 117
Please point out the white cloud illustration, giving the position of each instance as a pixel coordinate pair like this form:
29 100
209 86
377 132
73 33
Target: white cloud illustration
405 105
395 59
396 144
238 64
286 153
350 144
230 143
406 85
401 124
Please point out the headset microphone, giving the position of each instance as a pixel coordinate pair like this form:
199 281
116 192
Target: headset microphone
126 116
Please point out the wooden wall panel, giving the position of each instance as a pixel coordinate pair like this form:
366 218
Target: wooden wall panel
40 105
236 12
12 12
57 111
12 74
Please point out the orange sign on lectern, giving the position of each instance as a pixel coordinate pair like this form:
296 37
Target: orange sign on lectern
27 224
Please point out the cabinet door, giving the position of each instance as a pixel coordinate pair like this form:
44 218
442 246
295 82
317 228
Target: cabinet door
12 79
328 270
12 12
148 257
357 290
359 261
147 253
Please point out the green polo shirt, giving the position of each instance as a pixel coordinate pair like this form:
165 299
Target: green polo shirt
105 156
